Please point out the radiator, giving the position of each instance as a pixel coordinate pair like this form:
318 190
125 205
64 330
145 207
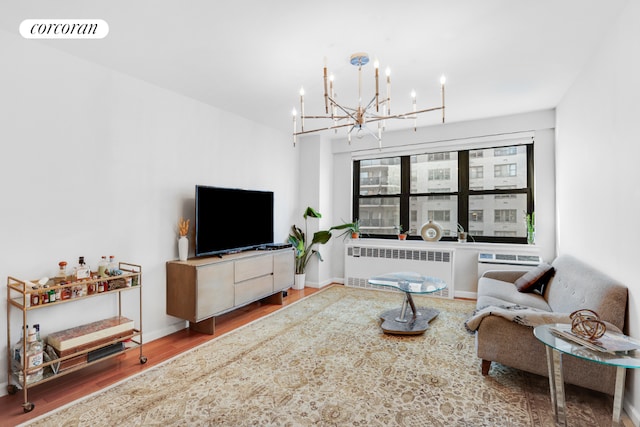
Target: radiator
506 261
363 262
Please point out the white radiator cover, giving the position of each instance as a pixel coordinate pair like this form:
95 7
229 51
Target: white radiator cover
365 261
488 261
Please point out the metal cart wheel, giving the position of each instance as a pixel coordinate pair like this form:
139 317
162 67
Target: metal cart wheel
28 407
12 389
143 360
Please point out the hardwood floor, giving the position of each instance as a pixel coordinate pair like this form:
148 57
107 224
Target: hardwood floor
54 394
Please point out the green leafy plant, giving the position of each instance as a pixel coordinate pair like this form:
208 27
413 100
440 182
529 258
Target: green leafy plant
530 219
348 229
402 235
304 249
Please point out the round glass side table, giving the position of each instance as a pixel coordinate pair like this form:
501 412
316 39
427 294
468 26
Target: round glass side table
557 345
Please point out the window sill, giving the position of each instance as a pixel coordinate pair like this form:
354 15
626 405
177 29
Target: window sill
471 246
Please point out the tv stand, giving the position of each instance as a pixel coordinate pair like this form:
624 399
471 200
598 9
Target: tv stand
201 288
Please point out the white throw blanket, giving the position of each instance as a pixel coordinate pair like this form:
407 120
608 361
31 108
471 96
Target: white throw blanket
522 315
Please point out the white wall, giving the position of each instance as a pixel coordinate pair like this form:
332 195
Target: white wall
97 163
598 196
540 124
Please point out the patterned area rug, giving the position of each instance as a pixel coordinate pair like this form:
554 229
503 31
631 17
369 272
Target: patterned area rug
325 362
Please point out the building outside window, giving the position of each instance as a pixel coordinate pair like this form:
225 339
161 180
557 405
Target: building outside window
476 172
505 170
449 188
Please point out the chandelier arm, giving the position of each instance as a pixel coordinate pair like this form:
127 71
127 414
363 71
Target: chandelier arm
409 115
370 103
324 128
328 117
373 134
344 109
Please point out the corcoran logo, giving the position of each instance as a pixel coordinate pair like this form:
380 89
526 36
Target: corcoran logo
64 29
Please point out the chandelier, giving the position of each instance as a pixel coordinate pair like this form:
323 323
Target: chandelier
355 119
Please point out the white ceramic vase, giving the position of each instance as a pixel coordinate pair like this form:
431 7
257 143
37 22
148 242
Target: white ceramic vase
183 248
298 281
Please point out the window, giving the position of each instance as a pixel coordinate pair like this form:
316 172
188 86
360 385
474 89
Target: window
439 174
438 156
439 216
505 215
449 188
505 151
476 216
476 172
510 169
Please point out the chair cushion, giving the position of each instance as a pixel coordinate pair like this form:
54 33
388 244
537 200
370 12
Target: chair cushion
535 279
497 292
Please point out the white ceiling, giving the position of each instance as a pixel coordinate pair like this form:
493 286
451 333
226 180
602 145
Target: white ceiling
250 57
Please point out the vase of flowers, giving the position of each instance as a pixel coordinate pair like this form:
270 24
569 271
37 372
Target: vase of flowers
183 240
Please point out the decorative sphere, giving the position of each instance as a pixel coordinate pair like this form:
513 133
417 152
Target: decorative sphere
587 324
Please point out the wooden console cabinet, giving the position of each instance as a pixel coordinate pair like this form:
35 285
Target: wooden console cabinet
199 289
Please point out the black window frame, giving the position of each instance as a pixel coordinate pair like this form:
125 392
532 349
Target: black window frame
463 194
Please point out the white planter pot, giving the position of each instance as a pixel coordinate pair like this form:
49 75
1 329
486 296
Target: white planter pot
298 281
183 248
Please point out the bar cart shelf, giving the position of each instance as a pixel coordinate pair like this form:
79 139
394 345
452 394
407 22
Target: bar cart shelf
21 295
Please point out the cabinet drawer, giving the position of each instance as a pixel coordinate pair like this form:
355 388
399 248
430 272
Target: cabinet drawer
251 290
214 290
283 270
250 268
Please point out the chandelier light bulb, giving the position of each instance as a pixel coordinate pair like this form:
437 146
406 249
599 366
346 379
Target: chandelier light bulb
387 71
376 64
443 79
413 94
301 91
294 112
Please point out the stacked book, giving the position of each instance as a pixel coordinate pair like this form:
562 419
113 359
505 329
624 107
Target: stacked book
610 342
81 338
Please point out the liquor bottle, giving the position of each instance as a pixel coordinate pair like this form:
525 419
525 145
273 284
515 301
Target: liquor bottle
113 265
33 358
82 270
61 276
17 348
103 266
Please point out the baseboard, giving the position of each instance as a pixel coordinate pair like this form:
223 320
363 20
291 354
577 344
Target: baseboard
631 412
322 284
466 295
167 330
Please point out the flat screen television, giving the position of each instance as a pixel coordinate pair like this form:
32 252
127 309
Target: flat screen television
231 219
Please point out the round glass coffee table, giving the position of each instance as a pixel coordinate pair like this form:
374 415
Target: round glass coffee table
556 346
398 321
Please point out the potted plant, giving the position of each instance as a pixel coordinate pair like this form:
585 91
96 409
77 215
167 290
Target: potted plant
350 229
530 219
402 235
305 249
462 235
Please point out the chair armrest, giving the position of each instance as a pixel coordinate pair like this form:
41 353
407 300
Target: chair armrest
505 275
